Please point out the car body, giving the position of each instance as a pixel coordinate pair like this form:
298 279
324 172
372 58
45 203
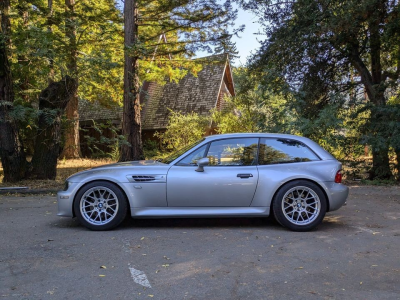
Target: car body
240 175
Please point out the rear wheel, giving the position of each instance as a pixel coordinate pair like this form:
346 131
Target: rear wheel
299 205
100 205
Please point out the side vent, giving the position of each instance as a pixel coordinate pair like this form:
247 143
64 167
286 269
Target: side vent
141 178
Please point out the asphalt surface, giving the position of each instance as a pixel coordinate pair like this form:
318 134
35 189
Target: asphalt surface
354 254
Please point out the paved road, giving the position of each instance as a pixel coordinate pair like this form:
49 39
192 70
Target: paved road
354 254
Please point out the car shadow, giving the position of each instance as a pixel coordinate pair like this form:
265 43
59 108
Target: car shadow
199 223
330 223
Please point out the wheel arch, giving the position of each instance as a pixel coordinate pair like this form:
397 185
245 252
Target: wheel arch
295 179
107 180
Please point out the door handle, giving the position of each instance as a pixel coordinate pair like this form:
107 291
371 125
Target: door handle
244 175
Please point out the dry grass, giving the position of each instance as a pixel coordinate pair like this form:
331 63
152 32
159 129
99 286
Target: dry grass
65 168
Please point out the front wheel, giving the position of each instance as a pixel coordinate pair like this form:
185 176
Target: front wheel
100 205
299 205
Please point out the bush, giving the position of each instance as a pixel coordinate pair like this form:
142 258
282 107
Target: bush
183 129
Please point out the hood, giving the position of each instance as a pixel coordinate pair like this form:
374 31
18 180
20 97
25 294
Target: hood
134 163
120 170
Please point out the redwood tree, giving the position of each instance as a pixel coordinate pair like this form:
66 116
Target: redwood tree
71 144
187 26
53 100
11 150
131 124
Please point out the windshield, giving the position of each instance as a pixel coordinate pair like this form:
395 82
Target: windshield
178 153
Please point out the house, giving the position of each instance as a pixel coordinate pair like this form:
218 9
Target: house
191 94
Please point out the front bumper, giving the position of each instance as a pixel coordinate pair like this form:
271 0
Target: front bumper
337 194
65 200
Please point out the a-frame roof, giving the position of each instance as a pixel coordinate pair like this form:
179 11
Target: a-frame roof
191 94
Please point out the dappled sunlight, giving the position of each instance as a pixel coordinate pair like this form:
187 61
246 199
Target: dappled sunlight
333 219
392 215
193 268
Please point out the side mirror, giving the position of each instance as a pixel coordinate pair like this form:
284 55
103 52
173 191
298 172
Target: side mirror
201 163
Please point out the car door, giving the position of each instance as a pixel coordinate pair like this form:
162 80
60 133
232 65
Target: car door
230 179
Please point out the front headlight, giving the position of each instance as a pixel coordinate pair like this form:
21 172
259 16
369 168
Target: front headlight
66 186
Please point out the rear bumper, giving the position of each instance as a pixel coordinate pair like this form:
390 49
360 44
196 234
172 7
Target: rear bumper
337 194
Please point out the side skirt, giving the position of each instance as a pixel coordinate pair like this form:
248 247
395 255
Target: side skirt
198 212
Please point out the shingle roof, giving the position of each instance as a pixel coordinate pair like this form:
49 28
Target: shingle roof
198 94
96 111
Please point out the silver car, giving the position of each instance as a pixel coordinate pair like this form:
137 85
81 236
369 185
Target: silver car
229 175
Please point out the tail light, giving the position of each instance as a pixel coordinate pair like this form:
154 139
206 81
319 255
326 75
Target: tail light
338 177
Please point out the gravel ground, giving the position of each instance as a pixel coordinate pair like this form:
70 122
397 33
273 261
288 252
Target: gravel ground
354 254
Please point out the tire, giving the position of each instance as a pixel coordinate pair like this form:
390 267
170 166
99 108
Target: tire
100 205
299 205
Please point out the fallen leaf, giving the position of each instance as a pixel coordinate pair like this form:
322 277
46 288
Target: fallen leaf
166 257
151 296
102 275
360 282
165 266
157 271
103 267
299 268
142 239
312 292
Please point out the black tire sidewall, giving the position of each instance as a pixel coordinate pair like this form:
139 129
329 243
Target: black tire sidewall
277 205
122 205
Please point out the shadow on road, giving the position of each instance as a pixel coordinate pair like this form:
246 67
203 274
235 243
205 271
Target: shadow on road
330 223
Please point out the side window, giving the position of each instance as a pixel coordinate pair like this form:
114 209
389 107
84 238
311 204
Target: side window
233 152
278 151
192 158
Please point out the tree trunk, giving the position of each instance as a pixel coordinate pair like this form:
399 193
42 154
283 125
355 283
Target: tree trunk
375 87
380 144
52 102
71 144
398 163
23 61
380 154
11 151
50 78
380 164
131 123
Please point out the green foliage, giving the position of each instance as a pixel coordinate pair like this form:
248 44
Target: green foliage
108 143
252 109
337 65
170 32
151 149
183 129
41 47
